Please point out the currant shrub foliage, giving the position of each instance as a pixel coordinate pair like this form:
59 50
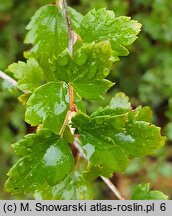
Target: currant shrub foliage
110 137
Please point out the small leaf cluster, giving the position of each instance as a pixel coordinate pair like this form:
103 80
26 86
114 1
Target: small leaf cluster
109 137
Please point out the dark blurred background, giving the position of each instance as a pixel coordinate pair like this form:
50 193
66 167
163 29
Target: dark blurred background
145 75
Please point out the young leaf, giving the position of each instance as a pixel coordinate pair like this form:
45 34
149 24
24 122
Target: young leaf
29 74
142 192
73 187
47 33
48 105
120 101
90 61
87 69
45 158
118 105
102 25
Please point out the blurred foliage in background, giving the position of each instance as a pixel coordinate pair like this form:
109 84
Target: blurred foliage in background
145 75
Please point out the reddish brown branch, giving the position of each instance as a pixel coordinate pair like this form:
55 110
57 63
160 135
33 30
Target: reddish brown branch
71 99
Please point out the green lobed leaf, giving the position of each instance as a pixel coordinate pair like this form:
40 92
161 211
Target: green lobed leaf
107 159
45 157
48 105
101 25
100 149
120 101
87 69
139 138
120 132
142 192
93 90
47 33
118 105
29 74
91 61
74 187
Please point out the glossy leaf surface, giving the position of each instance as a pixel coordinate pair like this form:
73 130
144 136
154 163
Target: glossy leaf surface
119 131
47 33
100 149
45 157
48 105
139 138
87 69
74 187
102 25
